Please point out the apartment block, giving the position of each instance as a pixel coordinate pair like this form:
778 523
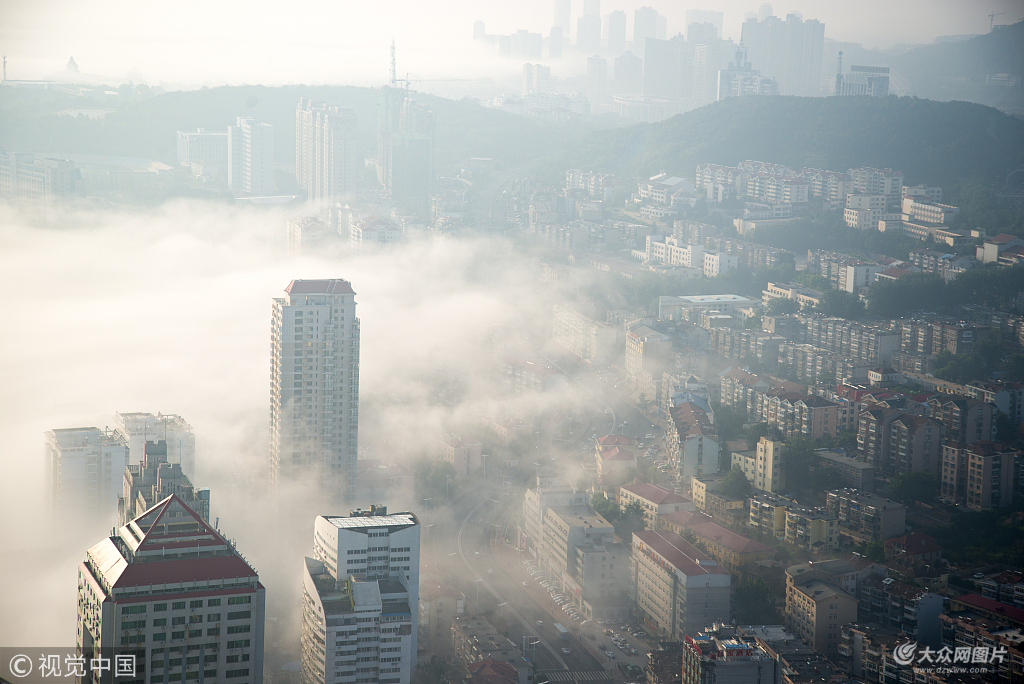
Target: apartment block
909 608
962 419
168 589
816 609
537 500
734 552
676 589
439 605
856 473
691 442
314 389
83 471
768 514
251 157
915 445
201 145
475 640
37 187
360 598
462 454
327 156
966 629
866 517
812 529
979 476
764 467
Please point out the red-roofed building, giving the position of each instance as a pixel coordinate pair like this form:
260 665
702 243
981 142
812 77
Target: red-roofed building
731 550
691 442
439 604
993 610
916 548
990 251
169 563
677 589
492 672
613 453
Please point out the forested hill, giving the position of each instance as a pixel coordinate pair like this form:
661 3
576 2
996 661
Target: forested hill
931 142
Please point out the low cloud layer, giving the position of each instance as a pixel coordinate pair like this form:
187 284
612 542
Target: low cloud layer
169 310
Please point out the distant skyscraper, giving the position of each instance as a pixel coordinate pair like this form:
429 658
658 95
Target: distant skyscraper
588 33
201 145
645 25
361 595
597 79
555 43
701 32
84 467
863 80
562 16
668 68
153 479
629 75
478 30
616 30
251 157
789 51
405 146
592 8
170 590
140 428
698 16
327 158
536 79
314 405
37 187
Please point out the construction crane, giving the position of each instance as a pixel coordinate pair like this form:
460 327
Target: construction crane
992 19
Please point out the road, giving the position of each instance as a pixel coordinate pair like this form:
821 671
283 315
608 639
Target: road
483 211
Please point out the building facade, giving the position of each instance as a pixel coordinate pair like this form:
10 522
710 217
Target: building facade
251 158
154 479
314 406
360 601
169 590
327 156
140 428
83 469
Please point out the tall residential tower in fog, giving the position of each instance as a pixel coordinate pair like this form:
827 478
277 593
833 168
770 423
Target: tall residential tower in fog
314 387
327 156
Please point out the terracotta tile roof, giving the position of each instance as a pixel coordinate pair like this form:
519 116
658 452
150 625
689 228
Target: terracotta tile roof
655 494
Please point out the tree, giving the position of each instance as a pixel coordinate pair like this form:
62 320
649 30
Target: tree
631 520
873 551
781 306
735 484
759 430
434 672
908 488
753 603
609 510
840 303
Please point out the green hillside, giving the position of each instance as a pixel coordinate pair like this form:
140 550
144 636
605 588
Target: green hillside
931 142
146 127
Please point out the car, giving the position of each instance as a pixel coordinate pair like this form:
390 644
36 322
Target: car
602 647
565 651
611 655
633 651
979 575
540 623
650 435
525 583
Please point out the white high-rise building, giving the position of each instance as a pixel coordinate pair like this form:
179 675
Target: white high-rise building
360 602
139 428
314 387
84 467
251 157
169 590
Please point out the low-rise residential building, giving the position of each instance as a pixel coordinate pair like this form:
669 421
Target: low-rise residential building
907 607
709 498
988 252
475 640
655 501
676 588
689 307
463 455
967 629
733 551
866 517
691 442
856 473
1006 587
817 609
613 453
439 605
708 659
792 414
764 467
537 501
768 514
979 476
864 650
962 419
916 547
812 529
989 609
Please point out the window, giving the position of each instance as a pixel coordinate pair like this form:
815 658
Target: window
236 673
134 624
238 629
178 605
178 621
133 639
240 615
240 643
132 610
196 604
195 633
213 602
193 619
213 617
157 607
235 600
159 622
213 631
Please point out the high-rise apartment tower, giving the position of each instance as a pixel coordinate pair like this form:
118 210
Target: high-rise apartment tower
314 387
251 157
84 467
326 150
140 428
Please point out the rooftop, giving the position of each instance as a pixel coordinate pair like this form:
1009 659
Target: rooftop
655 494
683 555
350 523
332 287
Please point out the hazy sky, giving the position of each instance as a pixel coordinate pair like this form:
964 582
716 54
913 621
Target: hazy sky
190 42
